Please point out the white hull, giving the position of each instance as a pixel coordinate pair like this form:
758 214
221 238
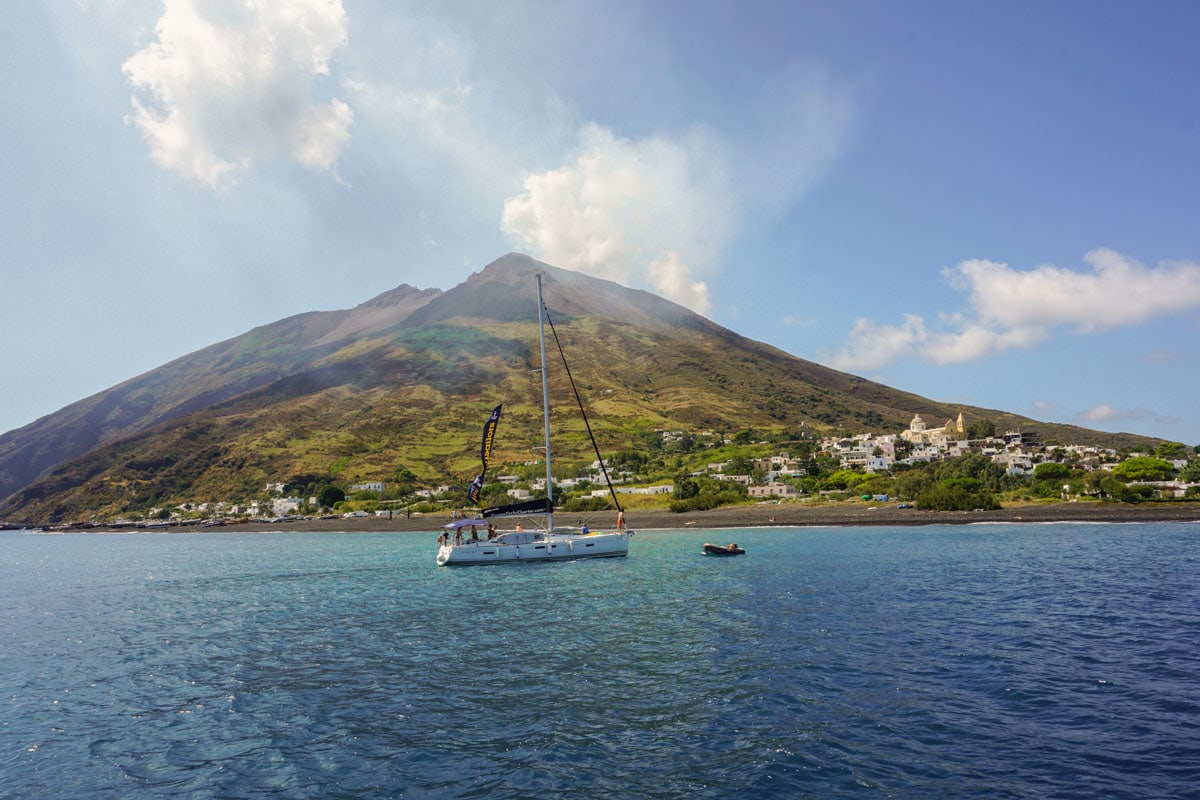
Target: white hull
535 547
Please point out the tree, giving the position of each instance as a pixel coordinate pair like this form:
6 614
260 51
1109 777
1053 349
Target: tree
1172 451
981 429
650 442
686 488
329 495
1051 470
973 465
800 449
877 484
303 484
1092 481
1045 488
738 465
825 463
494 494
1143 468
843 479
912 482
1113 488
631 460
709 494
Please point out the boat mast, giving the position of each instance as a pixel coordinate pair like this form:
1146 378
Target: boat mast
545 405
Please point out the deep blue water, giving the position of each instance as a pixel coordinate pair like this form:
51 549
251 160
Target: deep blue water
991 661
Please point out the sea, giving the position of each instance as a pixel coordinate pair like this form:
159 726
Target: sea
973 661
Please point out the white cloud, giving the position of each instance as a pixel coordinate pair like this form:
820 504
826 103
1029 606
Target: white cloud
1044 409
872 345
1117 292
1015 309
654 208
1160 357
796 321
1098 413
226 82
321 134
1105 413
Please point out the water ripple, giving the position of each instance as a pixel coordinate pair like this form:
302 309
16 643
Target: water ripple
998 662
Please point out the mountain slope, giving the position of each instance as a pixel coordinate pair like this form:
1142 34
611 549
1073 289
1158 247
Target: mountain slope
406 379
194 382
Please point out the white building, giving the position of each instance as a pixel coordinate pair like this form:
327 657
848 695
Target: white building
666 488
282 506
880 463
1014 462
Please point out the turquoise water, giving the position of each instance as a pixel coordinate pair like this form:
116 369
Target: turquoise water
990 661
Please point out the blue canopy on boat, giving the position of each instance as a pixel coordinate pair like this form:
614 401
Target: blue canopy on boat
465 523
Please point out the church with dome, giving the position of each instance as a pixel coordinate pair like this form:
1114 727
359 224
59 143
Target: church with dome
919 434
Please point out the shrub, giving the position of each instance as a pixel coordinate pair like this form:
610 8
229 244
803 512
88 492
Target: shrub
587 504
957 494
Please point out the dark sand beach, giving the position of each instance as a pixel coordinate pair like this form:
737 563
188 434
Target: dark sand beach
784 514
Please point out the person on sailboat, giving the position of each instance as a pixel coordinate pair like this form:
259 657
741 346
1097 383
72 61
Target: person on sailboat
620 520
474 534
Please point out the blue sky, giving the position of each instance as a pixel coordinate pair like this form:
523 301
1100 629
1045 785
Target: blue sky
992 204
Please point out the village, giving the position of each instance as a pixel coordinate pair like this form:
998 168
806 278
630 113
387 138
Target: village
770 478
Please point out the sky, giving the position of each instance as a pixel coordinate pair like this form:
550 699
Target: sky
983 203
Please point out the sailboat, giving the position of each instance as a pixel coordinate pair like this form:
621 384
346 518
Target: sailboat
545 542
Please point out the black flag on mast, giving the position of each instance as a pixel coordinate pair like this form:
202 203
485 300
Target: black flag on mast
485 453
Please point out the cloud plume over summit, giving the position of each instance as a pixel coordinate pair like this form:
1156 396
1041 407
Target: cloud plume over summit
654 207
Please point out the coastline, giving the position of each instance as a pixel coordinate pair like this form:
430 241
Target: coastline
752 516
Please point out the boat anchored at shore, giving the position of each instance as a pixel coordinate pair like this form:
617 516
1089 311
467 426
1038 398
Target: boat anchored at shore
552 544
484 544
